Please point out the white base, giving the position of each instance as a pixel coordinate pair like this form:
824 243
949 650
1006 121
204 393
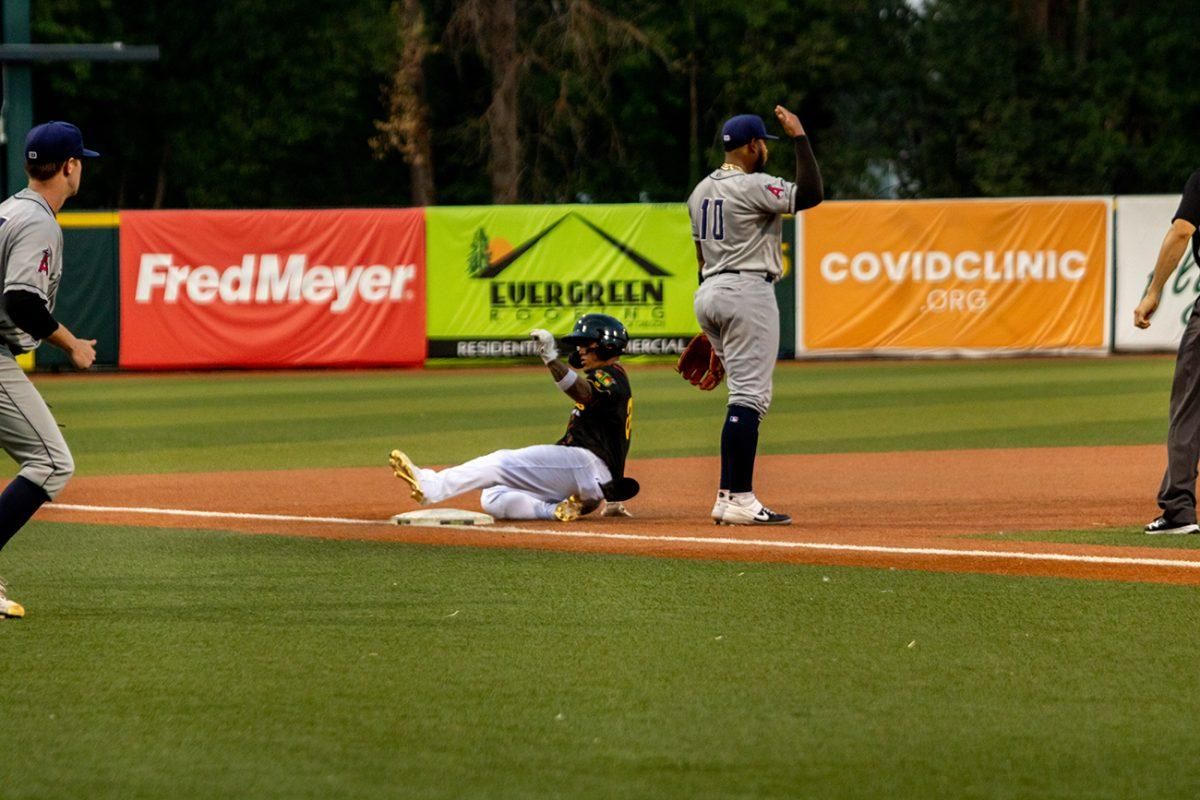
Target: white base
432 517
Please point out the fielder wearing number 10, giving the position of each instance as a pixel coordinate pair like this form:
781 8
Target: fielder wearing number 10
31 263
736 223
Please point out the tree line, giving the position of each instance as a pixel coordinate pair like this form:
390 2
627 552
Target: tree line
316 103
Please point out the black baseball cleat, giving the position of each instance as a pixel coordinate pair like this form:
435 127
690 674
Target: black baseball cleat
1164 525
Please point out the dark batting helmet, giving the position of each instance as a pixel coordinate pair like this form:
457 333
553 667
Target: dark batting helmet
606 331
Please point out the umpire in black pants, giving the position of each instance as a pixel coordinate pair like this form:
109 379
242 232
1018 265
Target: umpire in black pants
1177 495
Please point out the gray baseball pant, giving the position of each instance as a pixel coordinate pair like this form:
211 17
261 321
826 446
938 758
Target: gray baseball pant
739 315
29 433
1177 495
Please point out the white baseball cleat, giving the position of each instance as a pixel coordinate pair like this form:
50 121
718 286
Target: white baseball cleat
406 470
718 510
9 608
747 510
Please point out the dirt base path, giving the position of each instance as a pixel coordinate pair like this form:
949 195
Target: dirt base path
908 510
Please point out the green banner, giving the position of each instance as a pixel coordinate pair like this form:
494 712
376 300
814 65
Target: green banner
87 298
496 272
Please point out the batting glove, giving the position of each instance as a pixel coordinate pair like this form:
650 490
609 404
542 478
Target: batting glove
546 349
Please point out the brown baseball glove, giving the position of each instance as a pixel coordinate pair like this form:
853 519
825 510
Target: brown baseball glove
699 364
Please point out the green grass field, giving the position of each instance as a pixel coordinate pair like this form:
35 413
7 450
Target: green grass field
141 424
203 664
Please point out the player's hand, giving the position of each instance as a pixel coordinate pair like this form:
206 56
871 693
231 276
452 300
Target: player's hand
615 510
790 122
1145 309
83 353
546 348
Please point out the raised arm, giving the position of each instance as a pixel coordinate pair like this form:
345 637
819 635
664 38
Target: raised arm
565 378
810 189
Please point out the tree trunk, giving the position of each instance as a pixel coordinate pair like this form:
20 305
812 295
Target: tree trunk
695 157
407 128
1034 16
1081 32
160 184
503 132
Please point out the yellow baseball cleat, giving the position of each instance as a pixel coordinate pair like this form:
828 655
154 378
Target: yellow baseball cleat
406 471
568 510
8 608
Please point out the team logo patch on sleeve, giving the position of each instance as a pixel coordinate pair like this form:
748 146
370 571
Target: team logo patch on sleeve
45 265
602 379
776 190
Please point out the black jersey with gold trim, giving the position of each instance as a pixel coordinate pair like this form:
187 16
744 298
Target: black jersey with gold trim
604 425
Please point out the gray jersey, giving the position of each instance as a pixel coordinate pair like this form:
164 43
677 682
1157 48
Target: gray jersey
31 247
736 218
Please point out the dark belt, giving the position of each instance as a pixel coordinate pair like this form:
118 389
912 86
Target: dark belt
766 275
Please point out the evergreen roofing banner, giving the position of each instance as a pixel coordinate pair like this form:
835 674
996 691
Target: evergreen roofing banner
1142 222
272 288
496 272
946 277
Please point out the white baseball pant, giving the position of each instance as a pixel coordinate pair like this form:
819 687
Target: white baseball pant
521 484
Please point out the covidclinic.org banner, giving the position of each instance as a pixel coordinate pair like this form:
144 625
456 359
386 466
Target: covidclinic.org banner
934 277
496 272
272 288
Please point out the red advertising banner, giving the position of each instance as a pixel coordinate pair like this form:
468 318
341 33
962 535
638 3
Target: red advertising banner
272 288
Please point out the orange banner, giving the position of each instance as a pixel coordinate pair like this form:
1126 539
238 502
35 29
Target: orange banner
272 288
955 276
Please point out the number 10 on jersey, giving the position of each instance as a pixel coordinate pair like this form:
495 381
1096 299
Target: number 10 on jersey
717 206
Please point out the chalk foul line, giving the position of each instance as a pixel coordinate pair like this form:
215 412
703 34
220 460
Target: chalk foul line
574 533
183 512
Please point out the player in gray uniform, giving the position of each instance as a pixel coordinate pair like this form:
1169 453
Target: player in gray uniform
31 262
736 223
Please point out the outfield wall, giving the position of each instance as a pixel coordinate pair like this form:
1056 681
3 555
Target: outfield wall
391 287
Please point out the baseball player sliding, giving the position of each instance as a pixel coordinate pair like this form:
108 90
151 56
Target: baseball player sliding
736 224
31 263
559 481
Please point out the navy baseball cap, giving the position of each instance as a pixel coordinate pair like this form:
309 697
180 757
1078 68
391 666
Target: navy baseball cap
743 129
54 142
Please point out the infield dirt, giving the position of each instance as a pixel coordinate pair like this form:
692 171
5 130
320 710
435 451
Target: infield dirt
908 501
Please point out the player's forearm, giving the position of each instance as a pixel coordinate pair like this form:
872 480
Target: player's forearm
1173 246
63 339
578 390
810 190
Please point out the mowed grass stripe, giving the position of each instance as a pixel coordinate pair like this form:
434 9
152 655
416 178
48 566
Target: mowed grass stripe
186 423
